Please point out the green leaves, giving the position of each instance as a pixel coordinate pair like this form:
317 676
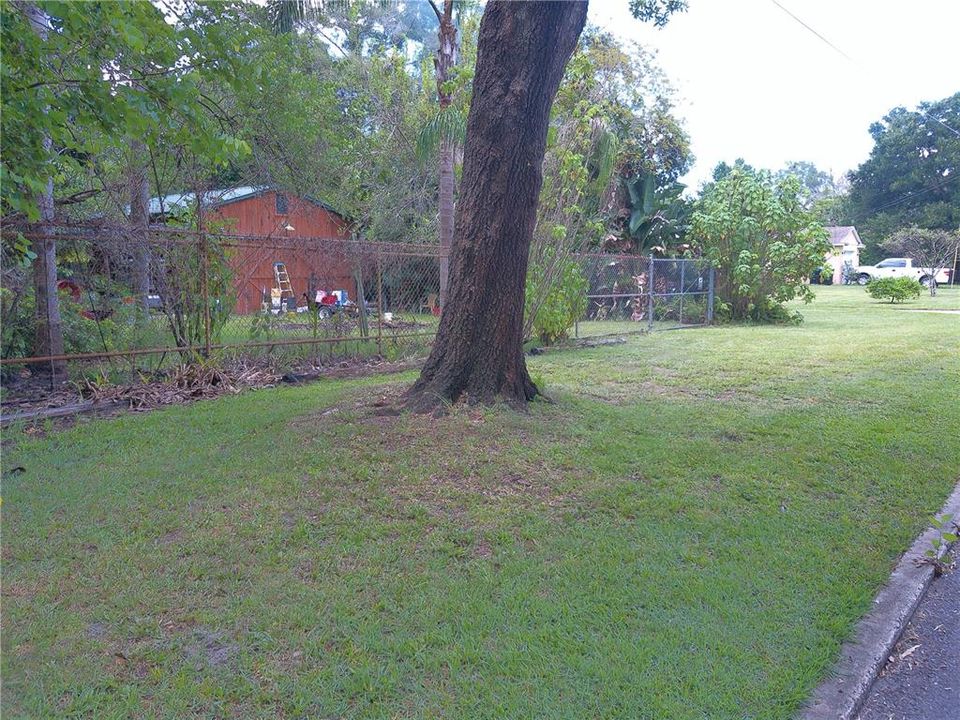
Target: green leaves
764 243
910 176
448 124
105 72
556 294
893 289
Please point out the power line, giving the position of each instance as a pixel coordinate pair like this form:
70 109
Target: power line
913 194
813 31
851 60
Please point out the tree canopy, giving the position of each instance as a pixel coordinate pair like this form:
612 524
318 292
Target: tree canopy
910 177
103 72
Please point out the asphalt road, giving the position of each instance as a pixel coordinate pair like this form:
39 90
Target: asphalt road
922 681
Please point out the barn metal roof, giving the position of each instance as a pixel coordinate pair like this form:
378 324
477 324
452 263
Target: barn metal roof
178 202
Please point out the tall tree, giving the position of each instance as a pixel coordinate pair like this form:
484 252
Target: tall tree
445 60
49 327
138 183
910 177
522 51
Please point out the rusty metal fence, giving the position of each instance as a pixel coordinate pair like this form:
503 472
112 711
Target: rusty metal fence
643 293
136 300
133 301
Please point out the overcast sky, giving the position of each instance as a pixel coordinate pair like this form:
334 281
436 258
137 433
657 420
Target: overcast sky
754 83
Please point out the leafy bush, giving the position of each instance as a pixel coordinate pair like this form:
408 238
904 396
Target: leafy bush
563 303
81 334
826 275
894 289
762 241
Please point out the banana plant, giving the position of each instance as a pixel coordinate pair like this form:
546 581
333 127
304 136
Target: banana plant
658 215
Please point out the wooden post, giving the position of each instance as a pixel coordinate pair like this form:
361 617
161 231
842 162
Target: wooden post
204 274
379 303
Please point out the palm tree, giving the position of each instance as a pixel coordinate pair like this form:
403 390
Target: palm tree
447 126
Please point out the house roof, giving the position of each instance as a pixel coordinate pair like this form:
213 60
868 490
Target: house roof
178 202
839 234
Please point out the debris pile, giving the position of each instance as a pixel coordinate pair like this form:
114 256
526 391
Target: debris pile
181 384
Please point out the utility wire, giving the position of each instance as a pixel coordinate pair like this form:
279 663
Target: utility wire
906 196
813 31
851 60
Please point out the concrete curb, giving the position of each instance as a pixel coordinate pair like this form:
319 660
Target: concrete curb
840 696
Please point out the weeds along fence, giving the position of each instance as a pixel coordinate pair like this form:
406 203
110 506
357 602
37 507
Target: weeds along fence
137 301
642 293
132 302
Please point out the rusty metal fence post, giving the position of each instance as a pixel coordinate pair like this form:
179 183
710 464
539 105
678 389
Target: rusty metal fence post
710 294
650 297
204 282
379 264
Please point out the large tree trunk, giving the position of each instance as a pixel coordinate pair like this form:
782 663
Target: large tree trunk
444 63
139 182
48 339
522 51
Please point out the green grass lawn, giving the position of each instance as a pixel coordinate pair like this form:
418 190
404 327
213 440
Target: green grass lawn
689 531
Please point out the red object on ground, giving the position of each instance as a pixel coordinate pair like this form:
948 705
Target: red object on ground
71 287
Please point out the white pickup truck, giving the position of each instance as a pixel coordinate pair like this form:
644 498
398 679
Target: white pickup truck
900 267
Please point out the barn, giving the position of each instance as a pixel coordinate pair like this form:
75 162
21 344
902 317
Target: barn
272 226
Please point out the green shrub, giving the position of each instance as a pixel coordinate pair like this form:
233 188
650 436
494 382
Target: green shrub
563 287
894 289
81 334
762 241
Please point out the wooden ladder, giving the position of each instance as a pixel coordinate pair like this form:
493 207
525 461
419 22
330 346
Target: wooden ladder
283 279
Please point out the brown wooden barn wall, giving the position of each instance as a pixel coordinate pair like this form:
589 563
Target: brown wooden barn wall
253 263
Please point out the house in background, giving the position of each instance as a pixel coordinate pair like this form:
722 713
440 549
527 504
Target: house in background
275 221
845 248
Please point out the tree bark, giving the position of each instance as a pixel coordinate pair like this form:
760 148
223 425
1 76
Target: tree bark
48 339
523 49
139 182
444 63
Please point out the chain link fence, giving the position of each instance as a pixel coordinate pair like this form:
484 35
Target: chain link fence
136 301
636 293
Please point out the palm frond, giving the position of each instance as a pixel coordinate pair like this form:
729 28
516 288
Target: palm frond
605 150
286 15
448 124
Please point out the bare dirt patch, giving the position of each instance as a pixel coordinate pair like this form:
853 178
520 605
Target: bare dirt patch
471 455
209 648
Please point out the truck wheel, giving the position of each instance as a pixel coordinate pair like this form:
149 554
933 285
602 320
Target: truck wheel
926 280
863 279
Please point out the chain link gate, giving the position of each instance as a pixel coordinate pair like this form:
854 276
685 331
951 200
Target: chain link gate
642 293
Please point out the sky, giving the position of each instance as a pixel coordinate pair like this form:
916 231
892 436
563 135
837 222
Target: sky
753 82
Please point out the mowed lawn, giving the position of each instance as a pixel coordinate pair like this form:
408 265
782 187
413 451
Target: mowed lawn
689 531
